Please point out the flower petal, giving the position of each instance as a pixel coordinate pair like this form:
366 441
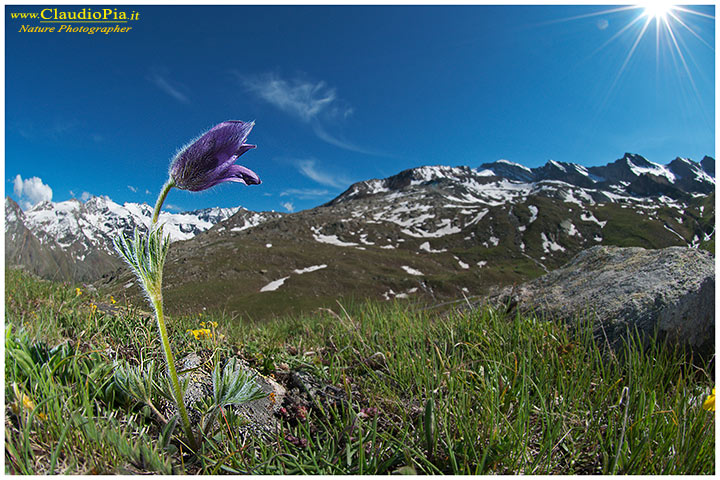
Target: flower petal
243 148
240 174
204 162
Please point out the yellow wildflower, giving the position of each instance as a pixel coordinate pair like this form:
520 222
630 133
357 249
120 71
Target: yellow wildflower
93 308
24 402
78 292
202 324
709 403
112 300
213 324
201 333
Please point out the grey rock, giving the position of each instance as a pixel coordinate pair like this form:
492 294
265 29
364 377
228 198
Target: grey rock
260 414
671 289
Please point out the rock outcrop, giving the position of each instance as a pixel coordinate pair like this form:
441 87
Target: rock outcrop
620 289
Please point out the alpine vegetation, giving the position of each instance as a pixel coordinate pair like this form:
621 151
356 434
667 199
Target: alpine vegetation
202 164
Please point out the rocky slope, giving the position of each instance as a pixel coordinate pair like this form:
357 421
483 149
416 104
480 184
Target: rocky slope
436 233
72 240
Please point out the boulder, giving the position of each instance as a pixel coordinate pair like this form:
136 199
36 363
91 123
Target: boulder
260 414
620 289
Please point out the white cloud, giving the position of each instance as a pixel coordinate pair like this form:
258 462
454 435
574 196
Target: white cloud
314 103
147 192
308 168
323 135
288 206
301 98
132 189
174 90
85 196
31 191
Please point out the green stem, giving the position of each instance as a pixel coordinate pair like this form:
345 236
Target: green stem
157 303
169 358
161 199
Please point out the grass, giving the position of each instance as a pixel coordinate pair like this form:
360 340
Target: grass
459 393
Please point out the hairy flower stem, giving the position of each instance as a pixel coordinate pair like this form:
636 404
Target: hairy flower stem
156 298
157 303
161 199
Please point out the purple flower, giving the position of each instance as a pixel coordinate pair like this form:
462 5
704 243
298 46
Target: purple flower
210 159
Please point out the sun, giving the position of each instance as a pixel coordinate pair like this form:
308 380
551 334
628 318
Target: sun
658 10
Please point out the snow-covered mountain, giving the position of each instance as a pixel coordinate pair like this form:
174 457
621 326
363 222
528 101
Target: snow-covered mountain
438 201
83 232
438 232
432 232
683 173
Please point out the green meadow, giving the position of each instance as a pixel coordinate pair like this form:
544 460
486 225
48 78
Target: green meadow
471 391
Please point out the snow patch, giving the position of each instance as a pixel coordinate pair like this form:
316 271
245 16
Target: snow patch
550 245
426 247
589 217
274 285
309 269
411 270
330 239
533 213
461 263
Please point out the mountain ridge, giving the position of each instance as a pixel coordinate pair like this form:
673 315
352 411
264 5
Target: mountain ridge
433 233
427 234
78 236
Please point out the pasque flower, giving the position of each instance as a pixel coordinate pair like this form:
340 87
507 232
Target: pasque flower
202 164
210 159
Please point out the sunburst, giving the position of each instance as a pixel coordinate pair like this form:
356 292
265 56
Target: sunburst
657 9
669 22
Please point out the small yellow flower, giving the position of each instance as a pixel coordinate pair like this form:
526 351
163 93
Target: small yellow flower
93 308
24 402
112 300
202 324
213 324
78 292
709 403
200 333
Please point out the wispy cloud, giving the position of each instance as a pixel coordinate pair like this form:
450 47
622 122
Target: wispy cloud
312 102
54 130
288 206
308 168
305 193
175 90
85 196
132 189
31 191
303 99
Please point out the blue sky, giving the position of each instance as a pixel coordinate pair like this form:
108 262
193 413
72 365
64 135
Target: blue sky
344 94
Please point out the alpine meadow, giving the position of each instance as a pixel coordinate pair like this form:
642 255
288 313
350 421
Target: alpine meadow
360 240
